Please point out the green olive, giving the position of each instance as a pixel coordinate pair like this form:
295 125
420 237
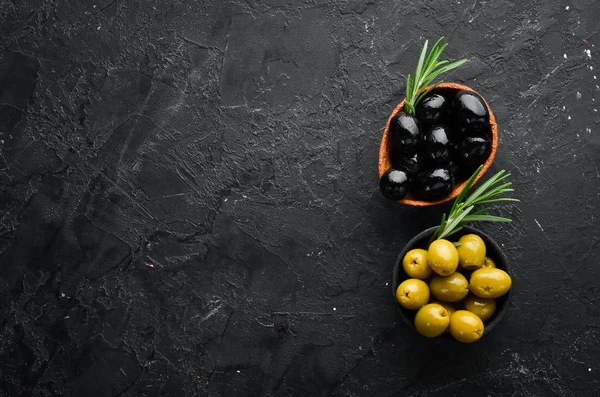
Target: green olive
465 326
412 294
448 306
489 282
483 308
471 251
415 264
488 262
442 257
432 320
450 288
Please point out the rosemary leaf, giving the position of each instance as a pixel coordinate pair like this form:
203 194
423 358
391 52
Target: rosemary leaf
428 69
463 209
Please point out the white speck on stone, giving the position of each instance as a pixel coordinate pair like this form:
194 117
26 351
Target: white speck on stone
540 226
588 53
62 295
537 169
67 317
589 370
588 130
386 284
238 371
565 56
98 28
578 95
94 5
334 309
596 110
577 135
568 117
564 107
591 67
567 8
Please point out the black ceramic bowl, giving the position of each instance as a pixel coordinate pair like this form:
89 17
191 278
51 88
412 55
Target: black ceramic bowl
420 241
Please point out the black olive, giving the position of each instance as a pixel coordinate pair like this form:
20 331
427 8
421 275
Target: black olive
438 148
436 183
463 173
409 163
453 167
404 133
471 113
473 150
483 131
433 109
394 184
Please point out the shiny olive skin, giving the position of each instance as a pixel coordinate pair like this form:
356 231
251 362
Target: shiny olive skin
438 148
394 184
409 163
415 264
450 288
471 252
412 294
489 282
404 133
471 112
442 257
433 109
484 308
448 306
472 150
435 183
465 326
488 262
432 320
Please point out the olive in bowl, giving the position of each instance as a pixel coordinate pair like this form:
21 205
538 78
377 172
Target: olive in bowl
493 254
454 136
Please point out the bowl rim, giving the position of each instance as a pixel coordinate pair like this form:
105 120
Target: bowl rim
501 262
384 162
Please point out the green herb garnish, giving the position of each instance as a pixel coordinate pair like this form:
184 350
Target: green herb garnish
462 211
428 69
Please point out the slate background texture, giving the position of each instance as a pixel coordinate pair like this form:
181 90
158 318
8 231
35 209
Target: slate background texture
189 200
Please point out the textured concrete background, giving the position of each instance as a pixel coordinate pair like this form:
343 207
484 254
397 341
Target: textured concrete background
189 200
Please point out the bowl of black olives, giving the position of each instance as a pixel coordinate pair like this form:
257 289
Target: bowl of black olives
457 289
428 151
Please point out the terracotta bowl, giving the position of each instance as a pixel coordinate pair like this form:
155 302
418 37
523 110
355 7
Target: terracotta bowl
385 162
421 240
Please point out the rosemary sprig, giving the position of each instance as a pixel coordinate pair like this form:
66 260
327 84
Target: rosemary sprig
462 211
428 69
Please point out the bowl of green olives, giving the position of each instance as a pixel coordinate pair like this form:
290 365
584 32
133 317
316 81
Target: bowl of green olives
454 290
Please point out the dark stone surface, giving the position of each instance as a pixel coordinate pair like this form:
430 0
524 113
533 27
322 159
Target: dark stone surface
189 200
